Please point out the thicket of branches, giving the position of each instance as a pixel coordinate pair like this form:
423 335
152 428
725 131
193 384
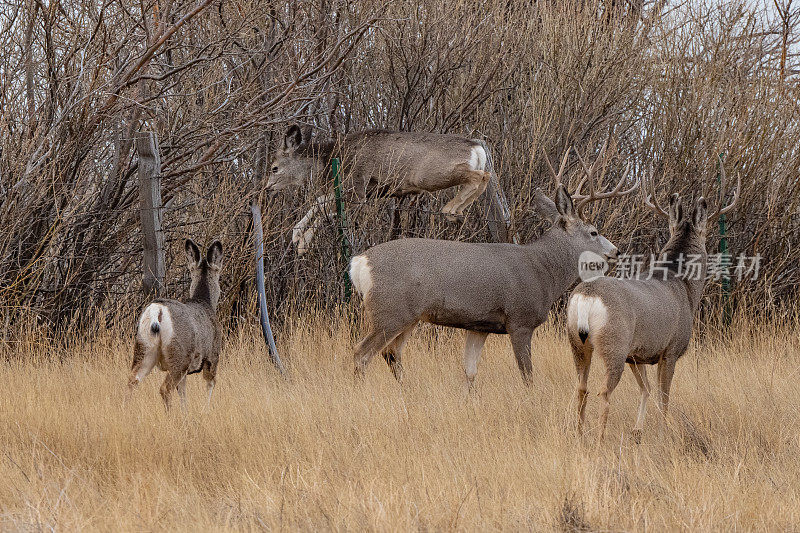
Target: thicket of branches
672 84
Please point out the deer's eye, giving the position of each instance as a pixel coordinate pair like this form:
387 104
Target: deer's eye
274 169
594 233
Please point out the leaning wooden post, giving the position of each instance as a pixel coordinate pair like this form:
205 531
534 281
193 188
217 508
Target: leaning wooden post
151 212
340 215
266 329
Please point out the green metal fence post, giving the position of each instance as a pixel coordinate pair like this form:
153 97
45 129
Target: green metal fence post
340 215
723 250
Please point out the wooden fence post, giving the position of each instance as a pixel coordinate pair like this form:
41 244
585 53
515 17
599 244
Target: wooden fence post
151 212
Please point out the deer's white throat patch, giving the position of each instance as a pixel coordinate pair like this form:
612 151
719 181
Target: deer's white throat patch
361 274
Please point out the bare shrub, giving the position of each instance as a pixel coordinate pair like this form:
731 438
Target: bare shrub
673 86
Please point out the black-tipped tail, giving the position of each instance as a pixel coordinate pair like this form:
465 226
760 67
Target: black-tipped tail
583 334
155 328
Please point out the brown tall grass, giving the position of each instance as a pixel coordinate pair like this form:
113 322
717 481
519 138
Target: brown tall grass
322 452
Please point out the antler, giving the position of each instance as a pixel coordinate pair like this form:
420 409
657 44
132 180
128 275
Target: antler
593 196
652 205
557 177
723 180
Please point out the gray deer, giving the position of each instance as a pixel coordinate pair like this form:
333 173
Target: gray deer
643 321
183 337
482 288
392 163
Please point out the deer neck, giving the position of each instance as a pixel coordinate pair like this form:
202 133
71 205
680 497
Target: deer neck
556 257
695 285
322 153
326 150
682 272
203 293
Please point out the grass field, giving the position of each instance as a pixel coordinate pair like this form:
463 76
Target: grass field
322 452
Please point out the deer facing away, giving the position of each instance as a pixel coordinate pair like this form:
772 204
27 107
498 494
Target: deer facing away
482 288
642 321
390 162
183 337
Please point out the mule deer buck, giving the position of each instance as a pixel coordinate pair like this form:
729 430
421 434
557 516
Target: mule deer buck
643 321
183 337
392 163
482 288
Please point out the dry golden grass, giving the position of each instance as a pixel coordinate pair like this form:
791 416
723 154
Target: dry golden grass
318 452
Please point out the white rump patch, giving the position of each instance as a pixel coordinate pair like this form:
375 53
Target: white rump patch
361 274
586 314
477 158
155 314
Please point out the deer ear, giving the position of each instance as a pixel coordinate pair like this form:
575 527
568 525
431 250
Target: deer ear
214 255
544 205
564 202
293 138
700 214
192 252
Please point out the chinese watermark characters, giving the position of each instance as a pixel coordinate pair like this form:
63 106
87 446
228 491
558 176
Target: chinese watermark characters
719 266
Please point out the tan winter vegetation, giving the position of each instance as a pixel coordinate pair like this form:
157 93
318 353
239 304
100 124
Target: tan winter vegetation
317 452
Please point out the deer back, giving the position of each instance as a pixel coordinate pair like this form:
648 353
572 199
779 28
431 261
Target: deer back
396 162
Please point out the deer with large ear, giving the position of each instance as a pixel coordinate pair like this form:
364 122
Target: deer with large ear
395 163
647 321
482 288
293 140
183 338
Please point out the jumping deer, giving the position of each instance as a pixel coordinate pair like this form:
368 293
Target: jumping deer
393 163
482 288
643 321
183 338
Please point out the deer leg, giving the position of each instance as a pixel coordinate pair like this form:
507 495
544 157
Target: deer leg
180 386
300 228
310 215
473 346
640 373
393 354
329 212
473 183
479 190
614 367
397 229
375 341
303 232
144 359
666 368
583 361
170 383
210 375
521 343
